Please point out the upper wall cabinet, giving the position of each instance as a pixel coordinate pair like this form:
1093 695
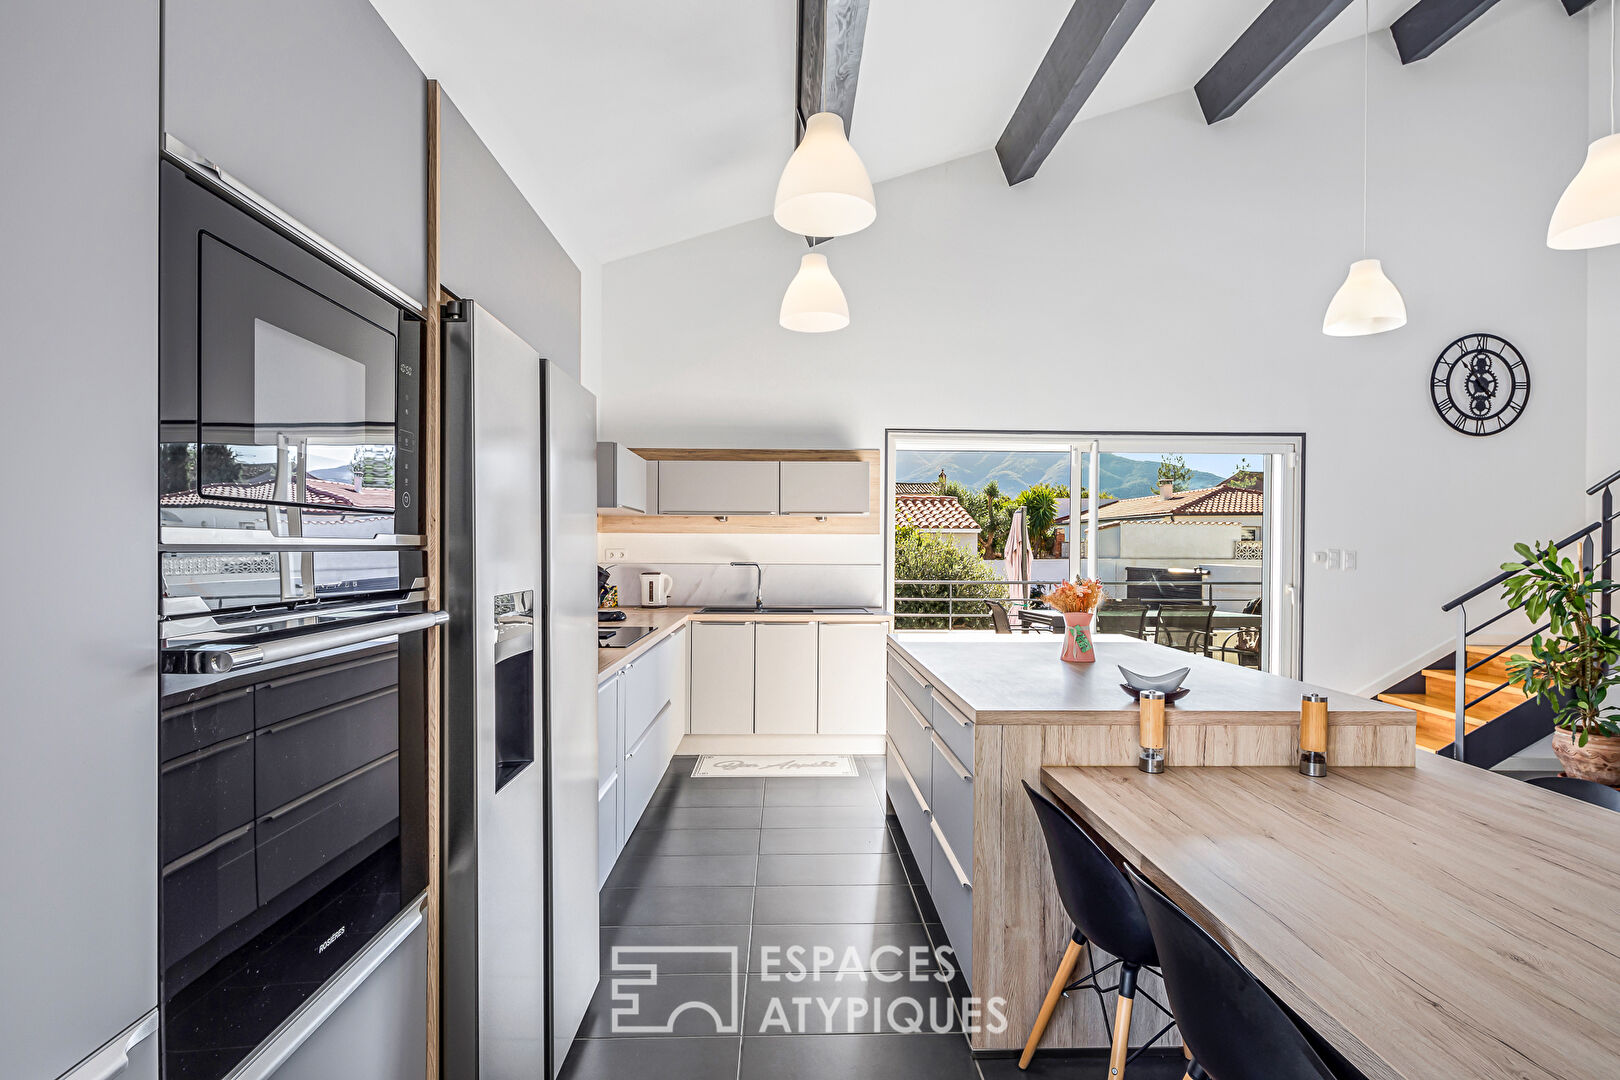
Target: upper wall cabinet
719 487
621 480
826 487
493 247
315 106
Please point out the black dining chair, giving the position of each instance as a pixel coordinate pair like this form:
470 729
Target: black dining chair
1186 627
1229 1023
999 619
1585 790
1106 914
1123 617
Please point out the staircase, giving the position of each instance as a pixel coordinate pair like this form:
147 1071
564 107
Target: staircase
1436 707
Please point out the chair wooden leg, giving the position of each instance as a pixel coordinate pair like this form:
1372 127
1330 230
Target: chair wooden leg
1071 957
1122 1022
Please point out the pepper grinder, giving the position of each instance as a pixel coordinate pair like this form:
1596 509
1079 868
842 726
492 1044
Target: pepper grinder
1313 734
1151 759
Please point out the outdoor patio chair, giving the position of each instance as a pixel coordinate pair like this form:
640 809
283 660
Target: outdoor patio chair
1123 617
1243 646
999 619
1187 628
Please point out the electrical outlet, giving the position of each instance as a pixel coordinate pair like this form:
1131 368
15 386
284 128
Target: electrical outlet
612 555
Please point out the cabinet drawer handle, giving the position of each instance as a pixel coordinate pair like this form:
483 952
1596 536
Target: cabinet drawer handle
916 713
950 856
916 792
950 710
950 758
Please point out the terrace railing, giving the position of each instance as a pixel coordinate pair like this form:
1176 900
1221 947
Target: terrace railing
964 604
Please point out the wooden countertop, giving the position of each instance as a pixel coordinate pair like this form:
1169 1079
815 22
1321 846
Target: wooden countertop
665 621
1436 921
1018 679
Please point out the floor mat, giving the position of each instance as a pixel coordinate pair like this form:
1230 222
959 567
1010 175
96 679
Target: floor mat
713 765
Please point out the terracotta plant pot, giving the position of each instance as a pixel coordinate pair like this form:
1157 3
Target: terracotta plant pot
1598 760
1077 644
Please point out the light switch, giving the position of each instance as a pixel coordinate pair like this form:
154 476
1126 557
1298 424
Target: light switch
1327 560
1347 560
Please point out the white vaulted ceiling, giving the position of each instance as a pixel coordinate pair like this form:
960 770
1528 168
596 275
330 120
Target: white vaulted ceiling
631 124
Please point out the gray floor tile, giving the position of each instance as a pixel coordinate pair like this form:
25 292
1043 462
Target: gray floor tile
635 871
834 904
667 1058
824 841
678 950
870 946
701 817
691 1005
808 791
691 842
877 868
677 906
823 817
683 781
701 793
892 1057
1058 1064
850 1003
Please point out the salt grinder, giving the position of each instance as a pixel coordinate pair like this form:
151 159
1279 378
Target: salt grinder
1313 712
1151 759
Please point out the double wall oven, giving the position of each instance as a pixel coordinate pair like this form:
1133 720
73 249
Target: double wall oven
292 781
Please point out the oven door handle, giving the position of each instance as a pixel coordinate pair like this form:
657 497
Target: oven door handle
219 659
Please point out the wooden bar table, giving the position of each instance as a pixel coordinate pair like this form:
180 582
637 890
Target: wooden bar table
1434 921
971 715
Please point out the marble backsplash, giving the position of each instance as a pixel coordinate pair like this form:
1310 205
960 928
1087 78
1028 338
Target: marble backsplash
785 584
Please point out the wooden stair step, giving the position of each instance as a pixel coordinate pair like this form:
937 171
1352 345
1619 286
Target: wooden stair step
1436 716
1444 680
1493 669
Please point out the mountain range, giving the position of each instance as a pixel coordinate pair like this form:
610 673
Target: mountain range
1015 470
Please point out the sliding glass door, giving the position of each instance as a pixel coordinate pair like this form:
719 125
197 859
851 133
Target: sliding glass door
1196 538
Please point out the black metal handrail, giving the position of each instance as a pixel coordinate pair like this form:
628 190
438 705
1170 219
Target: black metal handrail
1504 575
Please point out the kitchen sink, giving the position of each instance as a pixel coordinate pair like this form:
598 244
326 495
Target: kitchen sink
782 611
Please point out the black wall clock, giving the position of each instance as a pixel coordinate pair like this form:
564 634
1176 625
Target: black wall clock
1480 384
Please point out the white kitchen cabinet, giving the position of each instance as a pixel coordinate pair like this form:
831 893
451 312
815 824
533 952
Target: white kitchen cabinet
785 661
719 487
851 679
722 678
826 487
645 762
621 480
608 788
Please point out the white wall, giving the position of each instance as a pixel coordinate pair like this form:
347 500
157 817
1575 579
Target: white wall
1603 281
1153 251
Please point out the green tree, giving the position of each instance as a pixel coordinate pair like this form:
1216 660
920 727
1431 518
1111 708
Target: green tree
1040 514
920 557
1246 477
1173 467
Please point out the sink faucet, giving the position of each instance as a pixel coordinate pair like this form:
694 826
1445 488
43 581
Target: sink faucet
759 584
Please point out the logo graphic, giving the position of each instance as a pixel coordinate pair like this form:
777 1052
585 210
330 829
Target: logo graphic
632 979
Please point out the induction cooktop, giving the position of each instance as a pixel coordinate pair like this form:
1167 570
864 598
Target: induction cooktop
621 637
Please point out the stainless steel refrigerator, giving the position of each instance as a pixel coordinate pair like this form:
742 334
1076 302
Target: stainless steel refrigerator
520 927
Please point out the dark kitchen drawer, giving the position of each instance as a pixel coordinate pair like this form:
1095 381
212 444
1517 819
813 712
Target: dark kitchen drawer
300 838
186 728
297 756
204 795
207 891
308 691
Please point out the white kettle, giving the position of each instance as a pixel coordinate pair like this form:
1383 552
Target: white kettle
655 589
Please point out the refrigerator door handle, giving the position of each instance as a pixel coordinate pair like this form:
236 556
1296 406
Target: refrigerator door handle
112 1060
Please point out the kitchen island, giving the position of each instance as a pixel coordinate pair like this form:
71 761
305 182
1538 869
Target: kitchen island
1435 921
971 715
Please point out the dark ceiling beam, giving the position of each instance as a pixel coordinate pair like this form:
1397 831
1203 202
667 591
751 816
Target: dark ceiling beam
1575 7
831 33
1275 37
1091 36
1429 24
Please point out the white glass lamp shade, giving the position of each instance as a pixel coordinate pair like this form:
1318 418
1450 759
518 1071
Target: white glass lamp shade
1367 303
1588 214
824 191
814 303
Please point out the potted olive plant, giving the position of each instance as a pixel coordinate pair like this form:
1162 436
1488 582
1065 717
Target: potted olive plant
1571 665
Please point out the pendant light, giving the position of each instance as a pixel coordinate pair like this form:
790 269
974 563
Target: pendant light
824 190
1588 214
1368 302
814 303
